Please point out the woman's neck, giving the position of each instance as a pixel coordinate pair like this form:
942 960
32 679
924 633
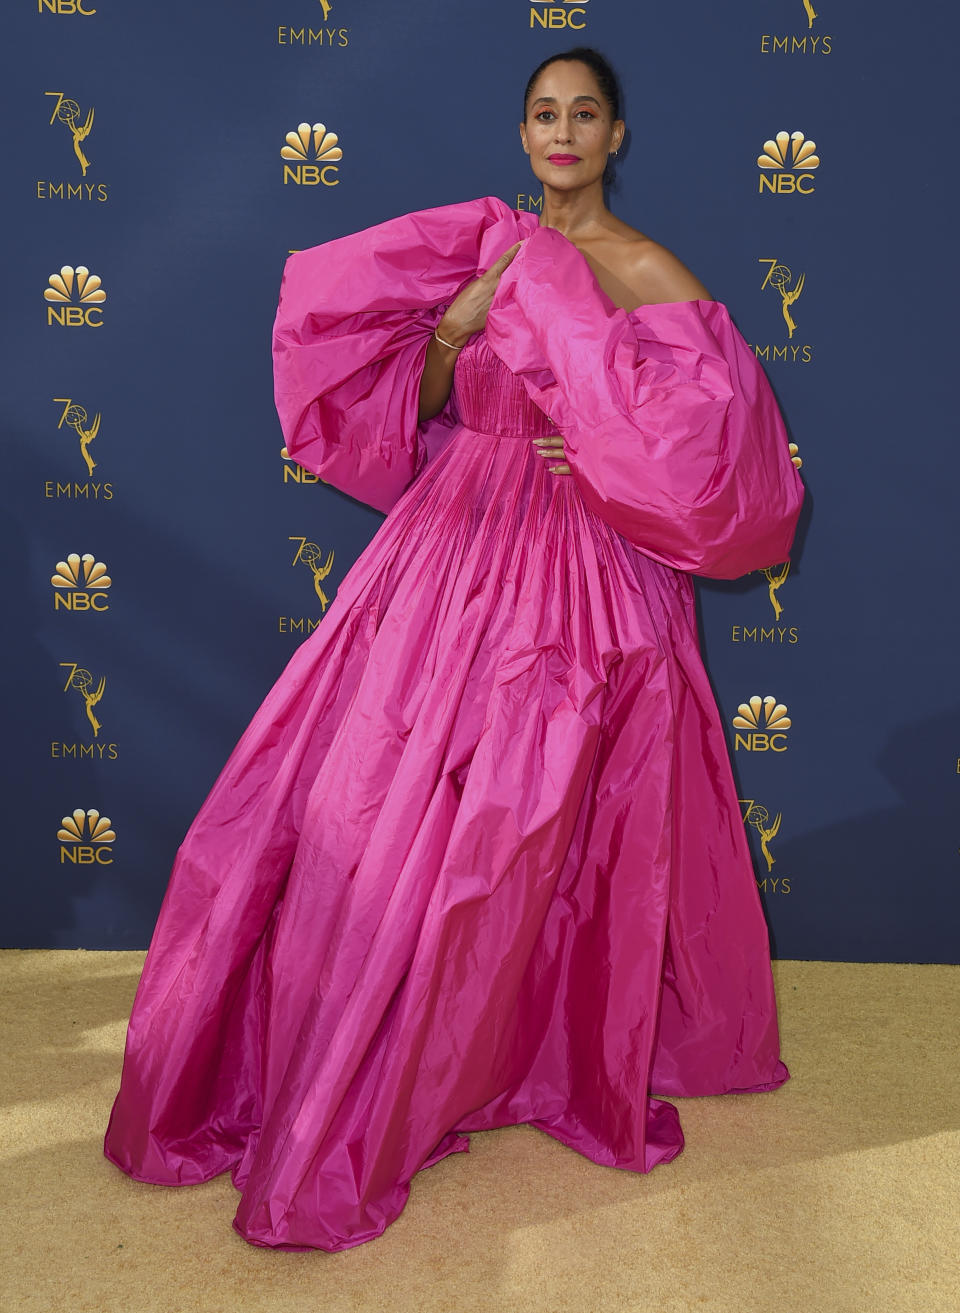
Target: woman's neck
574 214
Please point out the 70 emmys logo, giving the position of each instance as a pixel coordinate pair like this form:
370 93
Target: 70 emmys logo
86 838
81 583
75 417
68 112
312 557
318 167
784 157
71 285
82 681
766 722
546 14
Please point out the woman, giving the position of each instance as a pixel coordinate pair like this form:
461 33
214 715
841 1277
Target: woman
478 859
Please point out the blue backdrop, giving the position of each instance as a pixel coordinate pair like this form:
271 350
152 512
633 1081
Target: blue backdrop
148 214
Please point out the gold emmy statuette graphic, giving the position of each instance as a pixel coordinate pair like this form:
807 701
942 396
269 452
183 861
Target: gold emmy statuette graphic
775 576
779 278
82 681
810 12
759 818
311 555
326 6
68 112
75 417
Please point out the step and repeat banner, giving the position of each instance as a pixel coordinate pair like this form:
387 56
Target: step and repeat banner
165 557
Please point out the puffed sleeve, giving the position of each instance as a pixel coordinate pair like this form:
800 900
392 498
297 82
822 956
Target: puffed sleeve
351 333
670 427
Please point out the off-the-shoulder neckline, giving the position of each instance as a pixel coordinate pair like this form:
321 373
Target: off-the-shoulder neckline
534 225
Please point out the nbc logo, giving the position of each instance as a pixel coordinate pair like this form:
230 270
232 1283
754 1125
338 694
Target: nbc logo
294 473
74 298
787 163
81 583
570 13
765 721
314 151
86 837
66 7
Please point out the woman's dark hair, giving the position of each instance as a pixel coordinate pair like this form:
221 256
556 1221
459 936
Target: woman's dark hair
600 67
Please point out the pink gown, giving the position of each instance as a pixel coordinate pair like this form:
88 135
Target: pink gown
478 859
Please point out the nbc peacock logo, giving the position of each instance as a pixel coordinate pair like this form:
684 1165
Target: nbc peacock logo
86 838
80 584
552 16
294 473
761 724
75 298
787 164
315 153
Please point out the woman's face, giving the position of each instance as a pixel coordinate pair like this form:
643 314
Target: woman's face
569 130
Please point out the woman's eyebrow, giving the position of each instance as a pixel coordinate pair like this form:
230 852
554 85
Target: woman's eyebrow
552 100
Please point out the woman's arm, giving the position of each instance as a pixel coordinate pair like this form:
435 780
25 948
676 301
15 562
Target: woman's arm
464 317
436 381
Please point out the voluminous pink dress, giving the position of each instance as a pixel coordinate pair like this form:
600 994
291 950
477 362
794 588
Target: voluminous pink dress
478 858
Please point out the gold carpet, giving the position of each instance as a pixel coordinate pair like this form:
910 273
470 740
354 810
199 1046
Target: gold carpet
837 1192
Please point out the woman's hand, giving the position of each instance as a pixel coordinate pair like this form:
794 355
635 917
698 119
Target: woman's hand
468 313
463 317
552 446
794 455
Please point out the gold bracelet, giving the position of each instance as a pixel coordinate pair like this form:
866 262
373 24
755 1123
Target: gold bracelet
443 342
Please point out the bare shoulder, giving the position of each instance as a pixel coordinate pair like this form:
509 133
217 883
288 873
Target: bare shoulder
635 270
653 272
657 275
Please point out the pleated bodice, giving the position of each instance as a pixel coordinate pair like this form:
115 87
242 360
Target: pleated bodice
491 399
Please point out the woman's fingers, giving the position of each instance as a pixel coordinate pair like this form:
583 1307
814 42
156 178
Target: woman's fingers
498 266
552 446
